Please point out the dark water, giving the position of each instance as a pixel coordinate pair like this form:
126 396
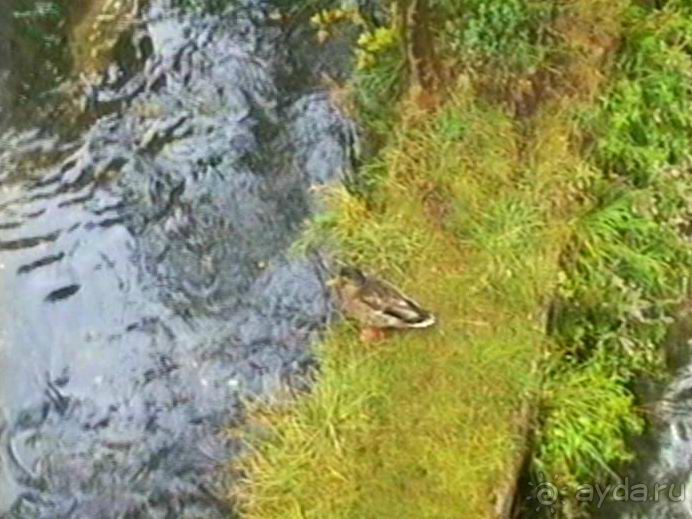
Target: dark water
145 281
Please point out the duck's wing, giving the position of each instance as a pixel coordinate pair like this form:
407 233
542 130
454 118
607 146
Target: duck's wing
399 310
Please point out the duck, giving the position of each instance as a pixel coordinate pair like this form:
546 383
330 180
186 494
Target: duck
377 304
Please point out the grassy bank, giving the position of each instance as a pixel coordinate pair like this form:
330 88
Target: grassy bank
537 209
427 424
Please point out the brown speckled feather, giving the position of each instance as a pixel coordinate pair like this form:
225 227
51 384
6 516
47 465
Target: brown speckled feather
378 304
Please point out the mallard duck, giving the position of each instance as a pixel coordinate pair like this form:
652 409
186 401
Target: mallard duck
377 304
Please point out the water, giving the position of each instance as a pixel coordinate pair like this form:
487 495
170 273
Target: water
146 284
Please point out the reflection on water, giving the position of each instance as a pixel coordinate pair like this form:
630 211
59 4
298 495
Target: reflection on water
145 284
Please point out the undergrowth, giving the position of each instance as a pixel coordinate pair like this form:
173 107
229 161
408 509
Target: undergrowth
507 34
626 269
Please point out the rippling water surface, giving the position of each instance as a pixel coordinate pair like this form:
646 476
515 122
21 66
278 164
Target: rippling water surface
145 279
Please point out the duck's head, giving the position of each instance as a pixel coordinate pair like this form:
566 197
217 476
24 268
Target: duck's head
348 278
352 275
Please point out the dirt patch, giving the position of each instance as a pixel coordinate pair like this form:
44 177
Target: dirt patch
438 204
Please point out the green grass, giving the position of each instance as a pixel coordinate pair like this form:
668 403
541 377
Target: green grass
427 424
588 407
627 267
490 219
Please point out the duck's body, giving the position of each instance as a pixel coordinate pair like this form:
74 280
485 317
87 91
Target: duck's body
376 303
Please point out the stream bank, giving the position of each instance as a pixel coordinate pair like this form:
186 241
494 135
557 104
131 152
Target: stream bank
539 210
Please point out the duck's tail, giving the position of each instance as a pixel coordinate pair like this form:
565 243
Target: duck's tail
426 320
411 315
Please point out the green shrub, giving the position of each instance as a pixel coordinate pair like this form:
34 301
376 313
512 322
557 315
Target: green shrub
590 414
379 78
646 119
623 273
505 31
629 263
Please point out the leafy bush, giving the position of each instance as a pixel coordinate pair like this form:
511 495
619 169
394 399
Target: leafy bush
41 57
506 31
379 78
590 414
646 119
623 273
629 263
